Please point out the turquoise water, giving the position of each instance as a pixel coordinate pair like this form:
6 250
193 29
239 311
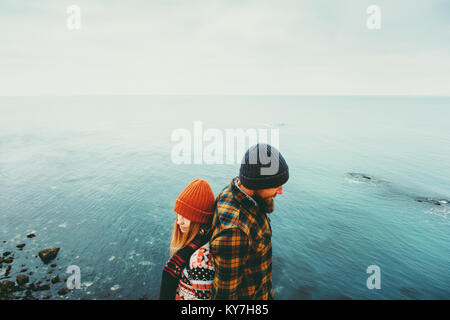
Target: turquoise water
93 175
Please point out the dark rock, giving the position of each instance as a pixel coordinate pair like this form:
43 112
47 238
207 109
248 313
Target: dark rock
22 279
1 266
1 260
50 272
37 287
24 270
303 293
20 246
6 253
7 286
31 273
29 296
63 291
53 265
410 292
8 269
48 255
8 260
56 279
31 235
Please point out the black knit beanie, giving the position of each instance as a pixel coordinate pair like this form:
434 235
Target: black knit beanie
263 167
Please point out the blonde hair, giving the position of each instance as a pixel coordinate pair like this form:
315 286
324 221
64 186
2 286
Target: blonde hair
179 239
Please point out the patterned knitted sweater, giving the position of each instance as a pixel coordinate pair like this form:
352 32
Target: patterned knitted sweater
197 277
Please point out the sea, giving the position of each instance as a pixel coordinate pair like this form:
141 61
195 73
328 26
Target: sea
95 176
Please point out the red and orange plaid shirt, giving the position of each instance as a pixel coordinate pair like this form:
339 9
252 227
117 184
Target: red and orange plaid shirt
241 245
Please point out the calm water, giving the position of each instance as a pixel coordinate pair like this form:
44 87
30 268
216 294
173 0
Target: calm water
93 175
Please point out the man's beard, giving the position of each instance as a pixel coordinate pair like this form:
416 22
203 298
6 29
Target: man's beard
266 205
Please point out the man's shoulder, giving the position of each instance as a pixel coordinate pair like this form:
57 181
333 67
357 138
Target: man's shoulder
228 213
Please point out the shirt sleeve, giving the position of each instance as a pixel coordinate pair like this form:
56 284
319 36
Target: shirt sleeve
229 250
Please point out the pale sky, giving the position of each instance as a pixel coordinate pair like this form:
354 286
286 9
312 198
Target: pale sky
145 47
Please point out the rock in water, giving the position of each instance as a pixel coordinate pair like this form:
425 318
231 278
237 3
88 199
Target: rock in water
56 280
48 255
20 246
31 235
7 286
8 269
6 253
8 260
38 287
63 291
22 279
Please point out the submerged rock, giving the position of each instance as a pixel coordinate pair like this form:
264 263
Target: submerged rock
53 265
7 286
48 255
6 253
31 235
56 280
29 296
8 269
20 246
38 287
433 201
63 291
22 279
8 260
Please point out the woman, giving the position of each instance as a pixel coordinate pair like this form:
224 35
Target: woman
189 273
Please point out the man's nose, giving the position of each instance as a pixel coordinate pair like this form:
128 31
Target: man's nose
280 190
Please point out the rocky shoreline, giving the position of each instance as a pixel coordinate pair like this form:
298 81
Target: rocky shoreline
19 282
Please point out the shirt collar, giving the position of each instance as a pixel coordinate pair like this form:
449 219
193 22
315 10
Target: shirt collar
248 202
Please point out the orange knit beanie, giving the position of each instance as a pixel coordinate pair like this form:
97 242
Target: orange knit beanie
196 202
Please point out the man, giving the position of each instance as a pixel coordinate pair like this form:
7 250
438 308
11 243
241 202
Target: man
241 242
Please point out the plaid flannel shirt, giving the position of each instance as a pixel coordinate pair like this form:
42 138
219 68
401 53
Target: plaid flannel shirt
241 245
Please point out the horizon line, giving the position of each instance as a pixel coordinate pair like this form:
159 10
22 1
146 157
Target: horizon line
227 94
